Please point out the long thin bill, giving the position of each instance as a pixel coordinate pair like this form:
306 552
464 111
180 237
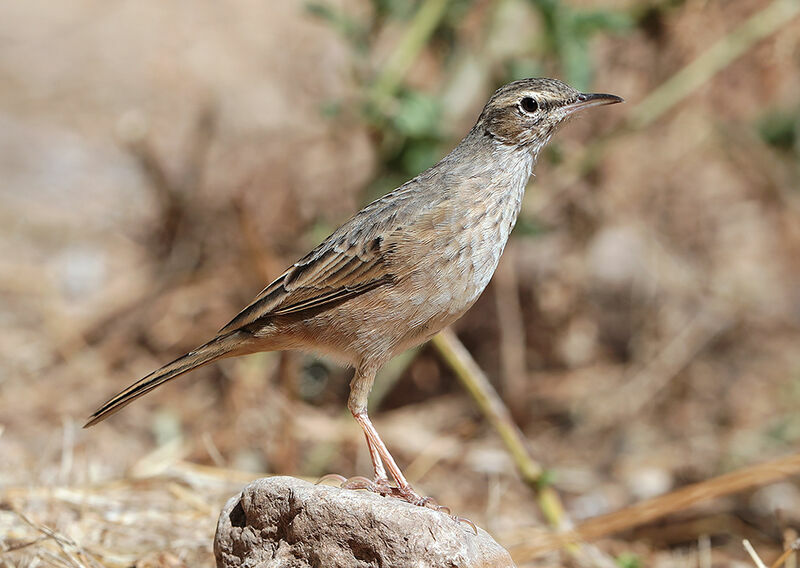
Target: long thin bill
587 100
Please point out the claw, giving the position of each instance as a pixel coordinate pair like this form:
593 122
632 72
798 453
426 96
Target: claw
379 486
458 519
332 477
385 488
428 502
360 482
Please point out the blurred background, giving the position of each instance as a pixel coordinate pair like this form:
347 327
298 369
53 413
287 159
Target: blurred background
160 162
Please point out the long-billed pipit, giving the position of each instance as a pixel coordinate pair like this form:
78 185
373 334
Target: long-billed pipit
402 268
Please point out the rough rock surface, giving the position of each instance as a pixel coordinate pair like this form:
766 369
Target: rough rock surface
283 522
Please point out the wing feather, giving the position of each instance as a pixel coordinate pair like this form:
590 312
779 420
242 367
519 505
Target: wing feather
355 259
331 273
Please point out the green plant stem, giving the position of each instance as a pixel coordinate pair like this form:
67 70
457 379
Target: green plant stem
477 384
684 82
413 41
714 59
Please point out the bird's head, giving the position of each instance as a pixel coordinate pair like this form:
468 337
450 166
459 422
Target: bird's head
527 112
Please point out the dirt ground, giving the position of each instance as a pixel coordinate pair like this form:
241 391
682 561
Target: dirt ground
161 162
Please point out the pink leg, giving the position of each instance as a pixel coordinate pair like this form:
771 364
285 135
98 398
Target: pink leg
380 483
357 403
377 463
378 449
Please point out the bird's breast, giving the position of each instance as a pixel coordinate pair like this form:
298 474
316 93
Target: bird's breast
463 250
485 231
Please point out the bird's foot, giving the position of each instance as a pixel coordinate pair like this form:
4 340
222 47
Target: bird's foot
383 486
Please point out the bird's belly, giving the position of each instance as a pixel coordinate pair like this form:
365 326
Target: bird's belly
388 320
460 275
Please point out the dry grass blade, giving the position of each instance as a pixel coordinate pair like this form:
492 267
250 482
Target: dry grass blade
490 403
794 547
716 58
651 509
118 524
753 554
73 555
658 507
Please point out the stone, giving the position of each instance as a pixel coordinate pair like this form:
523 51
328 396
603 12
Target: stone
283 522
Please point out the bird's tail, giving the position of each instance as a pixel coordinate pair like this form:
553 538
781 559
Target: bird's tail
226 345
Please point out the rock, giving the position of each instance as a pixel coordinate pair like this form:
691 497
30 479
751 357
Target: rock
283 522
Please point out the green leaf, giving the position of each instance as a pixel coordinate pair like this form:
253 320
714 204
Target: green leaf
417 115
419 156
347 27
589 23
628 560
779 129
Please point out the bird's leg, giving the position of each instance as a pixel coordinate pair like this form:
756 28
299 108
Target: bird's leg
403 489
357 403
377 463
378 449
380 483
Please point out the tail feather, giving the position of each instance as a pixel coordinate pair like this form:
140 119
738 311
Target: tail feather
218 348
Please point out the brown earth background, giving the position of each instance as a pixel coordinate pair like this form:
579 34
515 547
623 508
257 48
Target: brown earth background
160 162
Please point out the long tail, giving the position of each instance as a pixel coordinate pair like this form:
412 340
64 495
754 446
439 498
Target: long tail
227 345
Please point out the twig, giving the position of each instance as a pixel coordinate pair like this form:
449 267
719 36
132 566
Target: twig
794 547
490 403
416 37
285 458
724 52
172 192
753 554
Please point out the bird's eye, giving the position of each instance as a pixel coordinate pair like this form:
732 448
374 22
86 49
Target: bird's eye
529 104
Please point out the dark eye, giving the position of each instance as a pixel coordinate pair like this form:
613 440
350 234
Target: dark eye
528 104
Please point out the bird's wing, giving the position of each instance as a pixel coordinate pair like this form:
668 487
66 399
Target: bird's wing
353 260
320 279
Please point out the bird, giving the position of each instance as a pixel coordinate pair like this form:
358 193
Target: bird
401 269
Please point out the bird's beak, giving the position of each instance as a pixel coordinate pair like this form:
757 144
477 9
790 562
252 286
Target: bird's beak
586 100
